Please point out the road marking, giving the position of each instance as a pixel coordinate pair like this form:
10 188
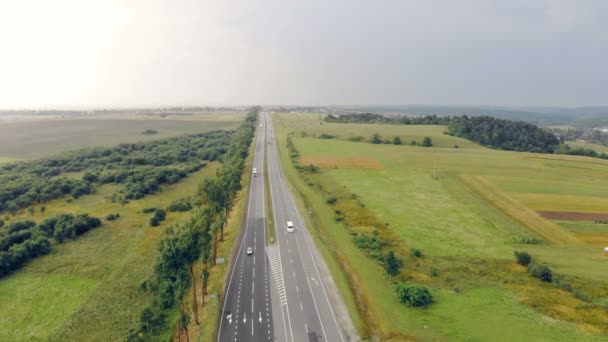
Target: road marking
301 308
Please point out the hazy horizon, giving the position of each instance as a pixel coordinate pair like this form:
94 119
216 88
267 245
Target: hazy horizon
68 54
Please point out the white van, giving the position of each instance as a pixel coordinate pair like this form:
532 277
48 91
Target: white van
289 227
255 171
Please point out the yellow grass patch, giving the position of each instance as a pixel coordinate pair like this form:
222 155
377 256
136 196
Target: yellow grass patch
599 240
530 219
335 162
557 202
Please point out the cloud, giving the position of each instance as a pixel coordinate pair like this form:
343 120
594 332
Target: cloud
187 52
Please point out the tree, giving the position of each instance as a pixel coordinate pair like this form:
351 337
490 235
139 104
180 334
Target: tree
396 141
392 264
523 258
413 295
205 275
427 142
376 139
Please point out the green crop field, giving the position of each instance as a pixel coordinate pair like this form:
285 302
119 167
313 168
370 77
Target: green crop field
591 146
88 289
27 139
467 210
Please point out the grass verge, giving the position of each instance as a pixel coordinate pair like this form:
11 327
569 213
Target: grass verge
270 226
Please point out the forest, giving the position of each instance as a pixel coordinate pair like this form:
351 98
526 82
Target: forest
485 130
141 167
194 241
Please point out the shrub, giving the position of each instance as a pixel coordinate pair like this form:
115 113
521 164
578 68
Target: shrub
331 200
112 217
427 142
376 139
434 271
148 210
413 294
182 204
542 272
456 146
327 136
392 264
356 138
160 214
154 221
523 258
416 253
396 141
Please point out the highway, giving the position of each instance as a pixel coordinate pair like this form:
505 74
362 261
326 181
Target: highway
247 310
307 304
283 291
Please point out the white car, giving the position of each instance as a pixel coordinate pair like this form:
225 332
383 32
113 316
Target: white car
249 250
289 227
255 172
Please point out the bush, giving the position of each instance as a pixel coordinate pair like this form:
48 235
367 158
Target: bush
376 139
427 142
356 138
148 210
154 221
542 272
416 253
331 200
413 295
112 217
160 214
523 258
327 136
396 141
392 264
182 204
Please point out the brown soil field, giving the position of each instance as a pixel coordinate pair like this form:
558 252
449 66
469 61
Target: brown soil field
573 216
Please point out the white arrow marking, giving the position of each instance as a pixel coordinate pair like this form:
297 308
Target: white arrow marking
229 319
245 318
260 319
315 280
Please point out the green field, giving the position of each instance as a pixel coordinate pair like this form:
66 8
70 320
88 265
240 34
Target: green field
88 289
27 139
419 197
591 146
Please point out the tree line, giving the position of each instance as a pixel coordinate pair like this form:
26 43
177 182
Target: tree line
485 130
196 240
141 167
21 241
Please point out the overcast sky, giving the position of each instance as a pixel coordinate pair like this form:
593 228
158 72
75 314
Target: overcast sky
120 53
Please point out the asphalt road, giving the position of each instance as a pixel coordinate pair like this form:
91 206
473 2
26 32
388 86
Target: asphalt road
247 309
282 292
305 298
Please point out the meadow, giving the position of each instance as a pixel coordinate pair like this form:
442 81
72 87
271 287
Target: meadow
467 209
94 279
89 288
40 137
